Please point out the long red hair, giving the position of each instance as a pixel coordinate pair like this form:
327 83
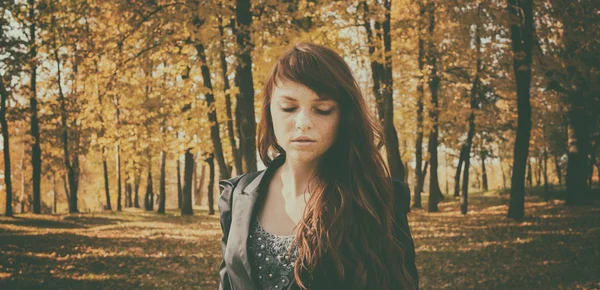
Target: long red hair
349 217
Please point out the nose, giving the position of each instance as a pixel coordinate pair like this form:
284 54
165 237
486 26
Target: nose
303 121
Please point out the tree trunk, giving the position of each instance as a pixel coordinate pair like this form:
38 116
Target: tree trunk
419 170
459 169
137 181
70 168
420 185
464 198
199 185
149 197
211 185
54 195
36 153
23 184
484 178
179 190
538 172
546 171
162 187
186 207
118 164
6 149
106 189
243 79
558 169
66 186
237 159
212 114
435 193
521 29
383 85
503 174
529 174
579 141
392 143
128 194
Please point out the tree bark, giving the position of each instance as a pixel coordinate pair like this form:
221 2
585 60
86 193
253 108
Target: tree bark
72 175
186 207
435 193
211 185
383 85
36 153
6 149
538 172
137 181
243 79
419 170
105 169
199 185
521 29
237 159
459 169
391 135
149 197
529 174
558 169
579 141
179 189
212 114
162 185
546 171
128 194
484 178
118 165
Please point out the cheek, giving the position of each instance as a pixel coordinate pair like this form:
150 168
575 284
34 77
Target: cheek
331 130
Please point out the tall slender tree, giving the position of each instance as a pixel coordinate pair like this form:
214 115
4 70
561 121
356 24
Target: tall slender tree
521 30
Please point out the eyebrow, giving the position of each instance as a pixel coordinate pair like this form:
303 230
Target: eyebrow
313 100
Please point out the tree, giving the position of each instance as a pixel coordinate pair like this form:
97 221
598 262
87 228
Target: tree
521 29
435 193
383 89
244 111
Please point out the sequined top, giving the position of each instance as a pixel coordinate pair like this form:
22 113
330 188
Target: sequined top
272 265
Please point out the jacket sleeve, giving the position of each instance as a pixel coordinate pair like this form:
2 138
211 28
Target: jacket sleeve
225 205
402 204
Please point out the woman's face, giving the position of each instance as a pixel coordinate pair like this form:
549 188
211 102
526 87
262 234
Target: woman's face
299 113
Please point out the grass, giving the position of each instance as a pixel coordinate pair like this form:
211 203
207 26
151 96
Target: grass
554 247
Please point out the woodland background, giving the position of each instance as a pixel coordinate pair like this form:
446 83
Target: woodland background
119 117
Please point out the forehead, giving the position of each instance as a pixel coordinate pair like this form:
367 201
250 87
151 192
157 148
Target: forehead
294 91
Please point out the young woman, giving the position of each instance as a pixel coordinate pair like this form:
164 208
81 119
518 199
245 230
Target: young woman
324 214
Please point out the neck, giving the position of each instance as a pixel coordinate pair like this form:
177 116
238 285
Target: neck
295 176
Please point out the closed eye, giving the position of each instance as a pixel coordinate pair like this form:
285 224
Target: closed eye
325 113
288 110
320 112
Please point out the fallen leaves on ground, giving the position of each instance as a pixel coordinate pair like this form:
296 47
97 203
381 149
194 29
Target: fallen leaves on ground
554 247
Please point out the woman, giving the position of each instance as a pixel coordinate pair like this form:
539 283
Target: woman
324 214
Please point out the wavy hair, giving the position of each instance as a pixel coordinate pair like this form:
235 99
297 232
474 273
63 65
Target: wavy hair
349 217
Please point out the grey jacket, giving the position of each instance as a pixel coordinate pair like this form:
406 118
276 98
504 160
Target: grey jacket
236 207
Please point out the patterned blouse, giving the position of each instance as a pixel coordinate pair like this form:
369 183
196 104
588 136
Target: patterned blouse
272 265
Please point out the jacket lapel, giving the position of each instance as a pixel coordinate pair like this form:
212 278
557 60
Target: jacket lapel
243 208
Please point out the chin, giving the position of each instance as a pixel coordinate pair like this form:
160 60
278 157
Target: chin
304 156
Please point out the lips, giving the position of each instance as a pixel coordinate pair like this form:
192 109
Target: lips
303 139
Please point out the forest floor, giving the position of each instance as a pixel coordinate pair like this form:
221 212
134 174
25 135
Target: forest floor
554 247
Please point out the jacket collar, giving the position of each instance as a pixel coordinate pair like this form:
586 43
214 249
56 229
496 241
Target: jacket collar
242 214
259 182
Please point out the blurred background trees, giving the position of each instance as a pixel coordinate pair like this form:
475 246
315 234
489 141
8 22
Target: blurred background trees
99 97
